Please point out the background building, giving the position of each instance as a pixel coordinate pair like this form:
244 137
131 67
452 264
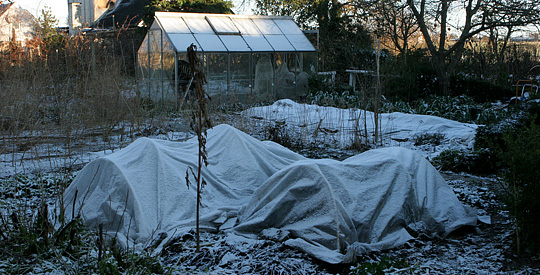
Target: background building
16 25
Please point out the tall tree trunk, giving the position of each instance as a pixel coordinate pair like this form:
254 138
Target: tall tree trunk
443 76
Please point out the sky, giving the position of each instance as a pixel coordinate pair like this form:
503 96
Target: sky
60 8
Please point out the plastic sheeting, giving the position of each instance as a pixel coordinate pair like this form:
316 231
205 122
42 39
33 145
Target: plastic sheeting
332 210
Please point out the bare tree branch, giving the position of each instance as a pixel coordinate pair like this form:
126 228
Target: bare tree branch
480 16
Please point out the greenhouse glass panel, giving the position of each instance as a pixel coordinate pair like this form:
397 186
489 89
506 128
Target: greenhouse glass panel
222 25
300 43
246 26
267 26
198 25
144 45
288 27
155 73
210 43
155 26
234 43
174 25
309 62
291 62
240 78
182 41
142 72
280 43
258 43
216 73
183 72
284 79
302 83
169 89
263 75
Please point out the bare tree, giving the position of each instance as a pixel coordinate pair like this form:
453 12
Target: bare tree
301 10
477 16
242 6
393 22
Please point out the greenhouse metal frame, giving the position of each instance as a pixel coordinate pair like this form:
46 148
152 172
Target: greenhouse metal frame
244 57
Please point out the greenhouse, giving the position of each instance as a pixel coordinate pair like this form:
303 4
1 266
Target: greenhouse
244 58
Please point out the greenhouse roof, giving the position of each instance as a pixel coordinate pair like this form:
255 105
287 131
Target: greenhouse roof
232 33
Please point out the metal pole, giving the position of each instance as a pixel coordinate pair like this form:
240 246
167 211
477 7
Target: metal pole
149 51
161 70
228 75
176 91
251 84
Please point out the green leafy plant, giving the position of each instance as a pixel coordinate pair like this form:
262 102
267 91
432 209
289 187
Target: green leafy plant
279 133
381 267
522 184
32 239
428 138
459 108
451 160
201 6
476 162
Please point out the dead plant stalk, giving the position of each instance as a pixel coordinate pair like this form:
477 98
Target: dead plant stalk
203 123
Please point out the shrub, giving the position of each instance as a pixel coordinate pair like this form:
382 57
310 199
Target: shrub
477 162
428 138
480 90
323 92
33 239
522 182
380 267
459 108
279 133
451 160
412 78
490 141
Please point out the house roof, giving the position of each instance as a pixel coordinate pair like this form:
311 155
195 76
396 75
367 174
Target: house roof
5 7
232 33
126 13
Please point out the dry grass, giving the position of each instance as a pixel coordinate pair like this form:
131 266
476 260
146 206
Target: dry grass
66 95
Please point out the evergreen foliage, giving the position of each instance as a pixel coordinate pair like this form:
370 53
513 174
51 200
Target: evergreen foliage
46 30
343 42
522 178
195 6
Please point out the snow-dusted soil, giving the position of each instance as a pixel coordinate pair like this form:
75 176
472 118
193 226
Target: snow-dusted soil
485 249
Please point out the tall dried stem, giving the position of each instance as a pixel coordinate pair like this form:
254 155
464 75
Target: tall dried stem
200 125
378 88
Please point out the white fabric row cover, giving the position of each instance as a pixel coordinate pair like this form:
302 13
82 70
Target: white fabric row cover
338 210
140 191
344 123
333 210
232 33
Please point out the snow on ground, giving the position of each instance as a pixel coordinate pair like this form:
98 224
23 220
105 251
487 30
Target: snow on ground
485 250
39 153
340 128
330 128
